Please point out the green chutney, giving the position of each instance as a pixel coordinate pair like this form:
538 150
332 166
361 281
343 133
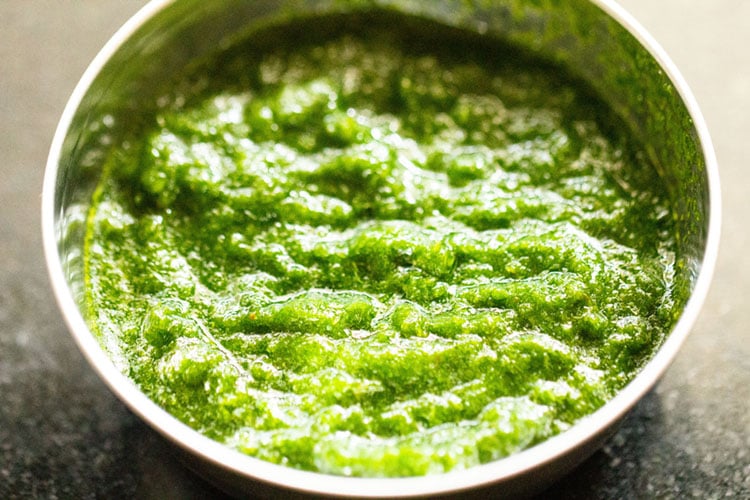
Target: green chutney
376 247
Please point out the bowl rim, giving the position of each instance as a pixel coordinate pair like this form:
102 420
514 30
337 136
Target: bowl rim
585 430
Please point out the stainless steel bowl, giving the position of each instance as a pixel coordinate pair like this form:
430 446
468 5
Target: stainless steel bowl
595 39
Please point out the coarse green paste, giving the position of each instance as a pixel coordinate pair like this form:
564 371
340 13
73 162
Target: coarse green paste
363 252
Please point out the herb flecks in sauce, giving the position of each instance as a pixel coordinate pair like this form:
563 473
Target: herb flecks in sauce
379 261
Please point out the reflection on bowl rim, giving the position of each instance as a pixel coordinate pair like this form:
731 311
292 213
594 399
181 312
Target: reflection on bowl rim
586 430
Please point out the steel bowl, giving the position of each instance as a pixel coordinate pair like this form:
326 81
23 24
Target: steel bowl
596 40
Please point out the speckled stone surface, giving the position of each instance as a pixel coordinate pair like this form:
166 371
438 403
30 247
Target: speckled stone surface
64 435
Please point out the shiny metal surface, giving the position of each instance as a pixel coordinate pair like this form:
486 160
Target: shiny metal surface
597 39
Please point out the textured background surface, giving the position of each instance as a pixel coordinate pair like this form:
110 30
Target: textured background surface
62 434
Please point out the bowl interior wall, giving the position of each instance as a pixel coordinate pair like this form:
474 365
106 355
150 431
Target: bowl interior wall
576 34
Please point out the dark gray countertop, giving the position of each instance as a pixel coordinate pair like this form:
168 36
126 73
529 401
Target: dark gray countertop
64 435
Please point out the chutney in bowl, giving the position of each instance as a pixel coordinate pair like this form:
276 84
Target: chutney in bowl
381 239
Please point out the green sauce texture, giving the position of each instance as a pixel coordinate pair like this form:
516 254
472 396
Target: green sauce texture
362 252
